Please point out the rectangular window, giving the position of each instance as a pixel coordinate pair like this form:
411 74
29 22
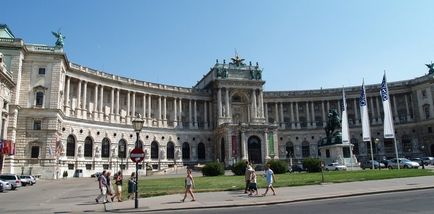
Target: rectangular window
37 125
105 166
70 166
35 152
88 166
429 129
41 71
327 153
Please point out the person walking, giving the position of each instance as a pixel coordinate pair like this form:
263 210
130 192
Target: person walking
132 185
118 186
253 187
269 175
109 183
189 184
102 182
247 176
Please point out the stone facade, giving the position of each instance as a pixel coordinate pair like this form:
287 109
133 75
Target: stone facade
66 117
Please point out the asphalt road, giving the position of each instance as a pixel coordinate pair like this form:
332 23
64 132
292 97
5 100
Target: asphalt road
415 202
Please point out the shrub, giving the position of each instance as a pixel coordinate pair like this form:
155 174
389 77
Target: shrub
312 164
239 168
278 166
213 169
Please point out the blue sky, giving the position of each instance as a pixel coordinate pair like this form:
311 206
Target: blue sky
299 44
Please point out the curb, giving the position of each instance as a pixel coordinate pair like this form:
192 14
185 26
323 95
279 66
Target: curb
268 203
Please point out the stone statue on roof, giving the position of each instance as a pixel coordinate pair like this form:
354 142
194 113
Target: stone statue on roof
431 68
60 37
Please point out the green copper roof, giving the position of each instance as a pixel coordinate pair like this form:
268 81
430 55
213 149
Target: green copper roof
5 32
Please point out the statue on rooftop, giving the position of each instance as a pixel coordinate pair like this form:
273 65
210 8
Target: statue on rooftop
60 37
431 68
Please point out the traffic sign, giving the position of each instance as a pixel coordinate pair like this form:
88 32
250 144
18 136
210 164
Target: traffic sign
137 155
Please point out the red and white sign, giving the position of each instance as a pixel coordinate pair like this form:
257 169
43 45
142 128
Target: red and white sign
137 155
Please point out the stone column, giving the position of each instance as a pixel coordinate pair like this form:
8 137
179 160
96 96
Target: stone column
378 100
95 108
180 114
210 123
101 104
261 104
133 110
190 112
407 108
339 107
175 113
328 105
395 109
159 112
164 111
267 153
372 111
266 112
291 106
117 105
67 101
282 119
219 102
85 100
228 111
128 116
276 114
356 111
254 111
228 141
324 118
78 107
205 114
150 110
308 120
144 109
195 114
112 106
244 146
297 116
313 115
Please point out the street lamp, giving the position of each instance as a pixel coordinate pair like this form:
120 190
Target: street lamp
137 126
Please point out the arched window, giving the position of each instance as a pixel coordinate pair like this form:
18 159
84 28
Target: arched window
105 148
39 99
201 151
185 151
88 147
170 153
305 150
122 149
70 146
154 150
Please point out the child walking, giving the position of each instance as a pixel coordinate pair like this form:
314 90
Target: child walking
269 174
189 184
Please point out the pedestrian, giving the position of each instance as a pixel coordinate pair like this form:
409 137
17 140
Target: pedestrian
109 183
247 176
118 188
132 186
253 187
269 175
102 182
189 185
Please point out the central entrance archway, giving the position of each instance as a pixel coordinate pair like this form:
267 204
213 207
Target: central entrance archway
254 150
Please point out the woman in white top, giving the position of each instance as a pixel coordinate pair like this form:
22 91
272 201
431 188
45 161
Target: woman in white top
189 184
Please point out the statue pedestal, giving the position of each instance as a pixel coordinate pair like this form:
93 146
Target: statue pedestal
338 153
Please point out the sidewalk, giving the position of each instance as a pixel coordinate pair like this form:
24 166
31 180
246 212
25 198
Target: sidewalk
284 195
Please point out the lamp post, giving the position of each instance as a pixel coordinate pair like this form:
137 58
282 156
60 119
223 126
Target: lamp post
137 126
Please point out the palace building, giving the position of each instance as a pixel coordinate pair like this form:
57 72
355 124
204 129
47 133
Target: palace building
59 116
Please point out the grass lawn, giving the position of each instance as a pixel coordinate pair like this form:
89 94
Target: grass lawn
165 186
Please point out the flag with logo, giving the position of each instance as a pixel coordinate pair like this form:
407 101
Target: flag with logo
388 119
344 116
364 114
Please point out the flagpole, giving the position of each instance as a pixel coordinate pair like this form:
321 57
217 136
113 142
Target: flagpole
396 153
372 155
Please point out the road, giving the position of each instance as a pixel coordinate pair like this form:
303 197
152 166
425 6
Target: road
416 202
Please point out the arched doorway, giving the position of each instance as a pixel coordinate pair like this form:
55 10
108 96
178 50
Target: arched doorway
254 149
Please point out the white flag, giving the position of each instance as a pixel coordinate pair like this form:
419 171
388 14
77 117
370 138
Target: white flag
388 119
344 116
364 114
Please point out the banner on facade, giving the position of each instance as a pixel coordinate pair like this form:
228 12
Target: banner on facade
344 116
364 114
388 119
8 147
